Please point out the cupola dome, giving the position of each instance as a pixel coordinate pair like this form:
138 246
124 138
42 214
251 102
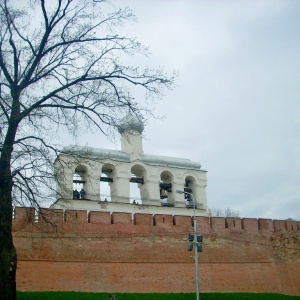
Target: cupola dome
131 122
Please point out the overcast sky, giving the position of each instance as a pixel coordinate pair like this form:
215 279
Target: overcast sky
236 106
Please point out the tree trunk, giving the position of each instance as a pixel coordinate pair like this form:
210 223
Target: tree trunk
8 255
8 268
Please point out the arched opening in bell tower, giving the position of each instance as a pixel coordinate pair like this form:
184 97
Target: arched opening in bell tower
79 182
165 189
136 184
106 182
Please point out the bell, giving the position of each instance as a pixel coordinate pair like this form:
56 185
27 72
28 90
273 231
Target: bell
163 194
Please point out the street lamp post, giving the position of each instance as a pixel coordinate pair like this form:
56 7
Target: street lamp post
195 243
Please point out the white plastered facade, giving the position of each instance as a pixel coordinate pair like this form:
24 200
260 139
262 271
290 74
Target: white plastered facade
95 166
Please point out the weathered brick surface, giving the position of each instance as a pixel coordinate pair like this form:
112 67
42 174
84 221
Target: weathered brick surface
118 253
156 277
203 225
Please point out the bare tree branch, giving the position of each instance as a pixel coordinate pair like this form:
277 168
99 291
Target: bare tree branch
62 66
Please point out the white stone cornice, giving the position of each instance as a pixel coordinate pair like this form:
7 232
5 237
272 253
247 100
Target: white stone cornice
96 153
156 160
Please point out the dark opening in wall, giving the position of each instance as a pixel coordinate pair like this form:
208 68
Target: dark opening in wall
226 223
259 224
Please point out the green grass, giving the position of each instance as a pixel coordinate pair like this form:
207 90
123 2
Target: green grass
100 296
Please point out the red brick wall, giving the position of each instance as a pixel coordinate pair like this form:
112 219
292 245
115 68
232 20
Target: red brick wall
100 252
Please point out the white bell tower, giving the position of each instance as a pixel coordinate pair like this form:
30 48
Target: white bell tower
131 129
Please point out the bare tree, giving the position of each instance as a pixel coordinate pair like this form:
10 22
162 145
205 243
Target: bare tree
60 67
227 212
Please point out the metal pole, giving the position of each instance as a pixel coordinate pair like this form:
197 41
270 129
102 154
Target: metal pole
196 251
195 243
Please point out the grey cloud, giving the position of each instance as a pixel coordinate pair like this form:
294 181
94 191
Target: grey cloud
236 106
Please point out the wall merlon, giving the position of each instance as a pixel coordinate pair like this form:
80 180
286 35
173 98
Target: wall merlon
183 221
218 224
76 216
123 218
250 224
100 217
279 225
143 219
266 225
163 220
233 223
24 214
51 215
292 225
203 224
